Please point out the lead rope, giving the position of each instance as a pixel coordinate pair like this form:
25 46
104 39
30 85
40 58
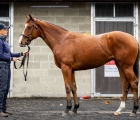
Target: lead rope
23 63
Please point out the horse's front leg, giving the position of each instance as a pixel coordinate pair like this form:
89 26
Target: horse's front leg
67 74
74 88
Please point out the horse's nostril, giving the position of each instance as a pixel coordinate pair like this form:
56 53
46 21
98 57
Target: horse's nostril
21 45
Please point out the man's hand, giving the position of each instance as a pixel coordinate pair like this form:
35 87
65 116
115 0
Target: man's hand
15 59
25 53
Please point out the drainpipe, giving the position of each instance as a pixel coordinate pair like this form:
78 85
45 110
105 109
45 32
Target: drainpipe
11 45
92 70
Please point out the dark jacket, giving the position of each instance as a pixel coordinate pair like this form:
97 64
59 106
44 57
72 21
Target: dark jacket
5 53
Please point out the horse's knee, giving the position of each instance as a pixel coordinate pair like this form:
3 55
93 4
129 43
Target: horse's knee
68 90
74 90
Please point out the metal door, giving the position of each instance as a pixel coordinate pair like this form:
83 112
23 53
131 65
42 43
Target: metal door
110 85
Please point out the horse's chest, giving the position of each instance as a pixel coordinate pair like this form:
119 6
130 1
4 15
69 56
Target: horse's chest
57 60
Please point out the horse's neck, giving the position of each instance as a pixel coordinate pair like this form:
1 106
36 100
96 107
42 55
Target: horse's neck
51 34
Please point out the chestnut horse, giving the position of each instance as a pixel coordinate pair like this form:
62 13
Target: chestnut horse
73 51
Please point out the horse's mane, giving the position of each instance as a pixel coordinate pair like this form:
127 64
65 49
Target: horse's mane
28 20
54 25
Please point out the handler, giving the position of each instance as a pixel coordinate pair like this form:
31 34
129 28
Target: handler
5 73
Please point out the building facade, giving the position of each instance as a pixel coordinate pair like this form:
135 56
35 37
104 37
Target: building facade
88 18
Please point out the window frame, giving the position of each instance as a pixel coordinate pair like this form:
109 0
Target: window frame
114 6
105 3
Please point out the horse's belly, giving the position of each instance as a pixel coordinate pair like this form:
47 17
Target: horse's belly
84 64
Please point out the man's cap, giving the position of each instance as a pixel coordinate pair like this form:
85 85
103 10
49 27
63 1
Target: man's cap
2 26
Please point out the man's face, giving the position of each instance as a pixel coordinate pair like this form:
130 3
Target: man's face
3 32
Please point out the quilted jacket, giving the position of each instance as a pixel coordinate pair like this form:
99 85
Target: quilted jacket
5 53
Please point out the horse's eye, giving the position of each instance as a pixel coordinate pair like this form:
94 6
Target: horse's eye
29 27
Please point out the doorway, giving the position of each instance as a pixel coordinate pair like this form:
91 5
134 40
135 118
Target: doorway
111 17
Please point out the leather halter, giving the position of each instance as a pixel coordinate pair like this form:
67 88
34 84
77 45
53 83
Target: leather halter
29 37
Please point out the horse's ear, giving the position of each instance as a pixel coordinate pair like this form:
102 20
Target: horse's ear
31 17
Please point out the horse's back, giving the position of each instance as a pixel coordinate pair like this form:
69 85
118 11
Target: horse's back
87 52
124 46
120 38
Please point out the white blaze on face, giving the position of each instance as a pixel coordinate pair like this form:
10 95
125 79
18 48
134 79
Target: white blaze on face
20 39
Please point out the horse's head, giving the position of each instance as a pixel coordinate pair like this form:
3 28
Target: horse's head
29 33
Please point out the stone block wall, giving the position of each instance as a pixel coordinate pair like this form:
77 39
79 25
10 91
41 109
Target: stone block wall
44 78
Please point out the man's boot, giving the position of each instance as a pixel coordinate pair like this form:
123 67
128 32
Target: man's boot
2 114
7 112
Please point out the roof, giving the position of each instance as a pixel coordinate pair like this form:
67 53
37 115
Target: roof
70 0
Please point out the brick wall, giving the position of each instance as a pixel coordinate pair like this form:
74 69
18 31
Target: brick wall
44 78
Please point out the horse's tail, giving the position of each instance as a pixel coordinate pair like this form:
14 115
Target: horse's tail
136 64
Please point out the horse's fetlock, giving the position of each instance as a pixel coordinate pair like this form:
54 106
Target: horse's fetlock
136 107
77 106
69 107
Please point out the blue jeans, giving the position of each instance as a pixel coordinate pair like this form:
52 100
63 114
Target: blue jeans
5 76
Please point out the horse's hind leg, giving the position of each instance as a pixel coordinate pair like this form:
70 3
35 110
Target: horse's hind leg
134 86
126 86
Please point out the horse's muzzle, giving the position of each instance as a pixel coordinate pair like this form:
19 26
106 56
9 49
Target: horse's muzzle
20 42
21 45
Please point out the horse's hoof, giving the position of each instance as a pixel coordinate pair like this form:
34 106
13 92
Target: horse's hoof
117 113
133 115
73 113
65 114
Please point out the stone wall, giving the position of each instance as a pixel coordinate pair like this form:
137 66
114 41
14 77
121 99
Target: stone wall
44 78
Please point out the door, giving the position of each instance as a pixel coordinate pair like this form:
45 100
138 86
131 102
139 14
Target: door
111 16
110 85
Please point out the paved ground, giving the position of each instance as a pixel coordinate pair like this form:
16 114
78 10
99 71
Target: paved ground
52 109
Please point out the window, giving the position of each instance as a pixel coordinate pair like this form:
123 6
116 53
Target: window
4 10
4 15
124 10
114 10
104 10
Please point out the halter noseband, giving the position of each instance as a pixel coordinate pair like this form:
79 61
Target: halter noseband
30 36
